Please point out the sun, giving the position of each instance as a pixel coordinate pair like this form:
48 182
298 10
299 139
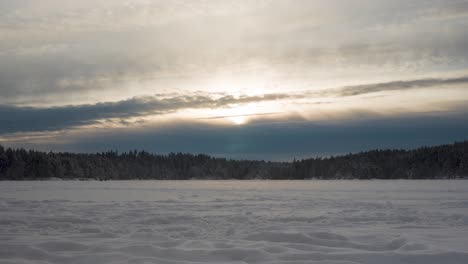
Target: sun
238 120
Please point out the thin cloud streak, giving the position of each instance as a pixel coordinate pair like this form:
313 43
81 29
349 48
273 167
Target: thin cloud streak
399 86
245 115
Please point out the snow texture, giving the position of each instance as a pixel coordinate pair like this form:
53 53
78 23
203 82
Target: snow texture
287 222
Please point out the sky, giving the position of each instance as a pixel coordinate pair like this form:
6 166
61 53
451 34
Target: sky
243 79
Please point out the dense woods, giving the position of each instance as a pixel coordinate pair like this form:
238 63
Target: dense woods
447 161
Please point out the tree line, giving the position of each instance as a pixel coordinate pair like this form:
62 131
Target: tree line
439 162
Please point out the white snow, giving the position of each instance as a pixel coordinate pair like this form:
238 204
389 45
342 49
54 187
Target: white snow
287 222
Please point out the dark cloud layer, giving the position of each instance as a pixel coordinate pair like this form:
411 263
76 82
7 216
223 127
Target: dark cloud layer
277 141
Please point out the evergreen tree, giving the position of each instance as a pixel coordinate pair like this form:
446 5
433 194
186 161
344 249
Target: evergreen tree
447 161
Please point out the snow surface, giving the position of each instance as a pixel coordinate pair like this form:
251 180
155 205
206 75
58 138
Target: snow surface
234 222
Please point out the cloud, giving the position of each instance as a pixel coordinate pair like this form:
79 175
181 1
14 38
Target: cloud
72 51
28 119
450 9
400 86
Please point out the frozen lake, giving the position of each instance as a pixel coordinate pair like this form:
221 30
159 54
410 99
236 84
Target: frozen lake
234 222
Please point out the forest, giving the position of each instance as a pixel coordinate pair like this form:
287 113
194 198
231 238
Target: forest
437 162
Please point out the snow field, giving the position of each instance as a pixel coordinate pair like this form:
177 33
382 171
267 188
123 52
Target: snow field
234 222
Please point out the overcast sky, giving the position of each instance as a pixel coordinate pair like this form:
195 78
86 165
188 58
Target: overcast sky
264 79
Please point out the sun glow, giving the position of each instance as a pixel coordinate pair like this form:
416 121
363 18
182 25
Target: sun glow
238 120
237 115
